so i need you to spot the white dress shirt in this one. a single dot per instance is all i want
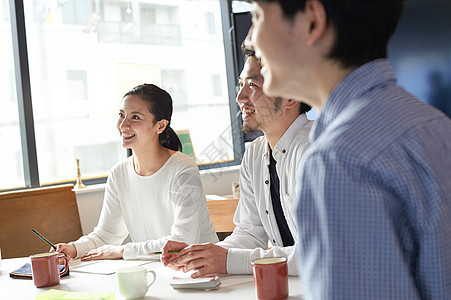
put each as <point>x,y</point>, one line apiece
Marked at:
<point>254,217</point>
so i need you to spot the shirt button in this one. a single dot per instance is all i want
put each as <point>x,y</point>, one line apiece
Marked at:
<point>266,181</point>
<point>284,151</point>
<point>267,212</point>
<point>274,241</point>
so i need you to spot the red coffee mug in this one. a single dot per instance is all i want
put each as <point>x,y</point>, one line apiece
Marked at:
<point>271,278</point>
<point>45,268</point>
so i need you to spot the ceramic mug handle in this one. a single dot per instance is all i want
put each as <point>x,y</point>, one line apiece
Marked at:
<point>154,277</point>
<point>66,263</point>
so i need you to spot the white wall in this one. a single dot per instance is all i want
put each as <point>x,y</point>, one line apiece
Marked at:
<point>90,199</point>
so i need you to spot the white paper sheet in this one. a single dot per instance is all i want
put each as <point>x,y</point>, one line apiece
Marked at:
<point>105,267</point>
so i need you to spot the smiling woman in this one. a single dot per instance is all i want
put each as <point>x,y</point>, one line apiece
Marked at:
<point>146,103</point>
<point>155,194</point>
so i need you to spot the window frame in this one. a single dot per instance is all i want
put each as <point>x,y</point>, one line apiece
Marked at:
<point>25,103</point>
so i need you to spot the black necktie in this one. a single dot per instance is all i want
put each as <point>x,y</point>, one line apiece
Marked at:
<point>285,232</point>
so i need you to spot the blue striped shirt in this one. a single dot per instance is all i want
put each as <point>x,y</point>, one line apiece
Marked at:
<point>374,209</point>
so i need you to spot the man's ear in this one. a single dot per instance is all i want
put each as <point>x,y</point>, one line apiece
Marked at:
<point>248,40</point>
<point>291,103</point>
<point>162,125</point>
<point>317,21</point>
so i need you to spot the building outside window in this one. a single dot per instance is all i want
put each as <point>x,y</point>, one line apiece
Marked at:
<point>85,54</point>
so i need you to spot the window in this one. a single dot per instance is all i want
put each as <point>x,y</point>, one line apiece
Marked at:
<point>75,11</point>
<point>11,171</point>
<point>77,85</point>
<point>174,82</point>
<point>84,55</point>
<point>138,22</point>
<point>216,85</point>
<point>210,22</point>
<point>4,10</point>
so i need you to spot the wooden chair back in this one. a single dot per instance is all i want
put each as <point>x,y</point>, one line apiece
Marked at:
<point>52,211</point>
<point>221,214</point>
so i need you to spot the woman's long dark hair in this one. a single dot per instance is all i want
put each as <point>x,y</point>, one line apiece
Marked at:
<point>160,106</point>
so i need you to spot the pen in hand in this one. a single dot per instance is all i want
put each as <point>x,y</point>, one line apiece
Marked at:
<point>159,252</point>
<point>44,239</point>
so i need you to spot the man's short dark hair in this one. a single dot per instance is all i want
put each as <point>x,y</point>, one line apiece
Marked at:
<point>363,28</point>
<point>248,52</point>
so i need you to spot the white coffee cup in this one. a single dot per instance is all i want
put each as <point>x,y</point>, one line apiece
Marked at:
<point>133,282</point>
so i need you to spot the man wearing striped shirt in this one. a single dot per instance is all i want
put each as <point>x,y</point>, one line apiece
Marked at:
<point>374,199</point>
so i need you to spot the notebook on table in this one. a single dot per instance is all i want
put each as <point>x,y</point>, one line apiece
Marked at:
<point>25,272</point>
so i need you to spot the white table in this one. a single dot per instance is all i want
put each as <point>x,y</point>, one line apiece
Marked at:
<point>84,282</point>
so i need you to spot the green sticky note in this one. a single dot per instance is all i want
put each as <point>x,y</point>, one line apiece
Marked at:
<point>187,145</point>
<point>57,295</point>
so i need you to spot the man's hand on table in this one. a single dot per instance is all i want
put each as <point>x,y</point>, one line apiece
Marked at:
<point>205,259</point>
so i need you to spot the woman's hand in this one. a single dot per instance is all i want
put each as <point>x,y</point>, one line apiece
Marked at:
<point>68,249</point>
<point>104,252</point>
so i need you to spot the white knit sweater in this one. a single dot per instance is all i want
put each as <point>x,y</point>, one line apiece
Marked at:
<point>167,205</point>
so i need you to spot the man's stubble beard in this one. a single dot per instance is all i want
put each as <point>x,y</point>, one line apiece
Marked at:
<point>246,128</point>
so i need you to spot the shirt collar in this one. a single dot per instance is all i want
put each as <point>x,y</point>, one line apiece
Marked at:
<point>358,82</point>
<point>287,138</point>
